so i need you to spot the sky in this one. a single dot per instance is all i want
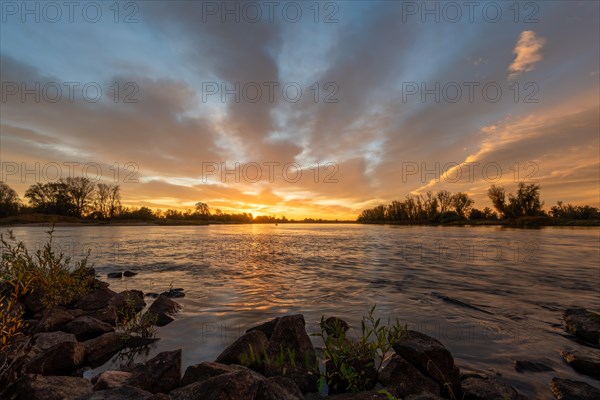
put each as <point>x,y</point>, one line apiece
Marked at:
<point>302,109</point>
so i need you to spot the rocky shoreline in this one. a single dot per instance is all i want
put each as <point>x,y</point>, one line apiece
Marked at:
<point>273,360</point>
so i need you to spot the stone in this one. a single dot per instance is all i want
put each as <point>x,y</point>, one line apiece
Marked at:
<point>237,385</point>
<point>163,309</point>
<point>152,294</point>
<point>107,314</point>
<point>86,327</point>
<point>45,340</point>
<point>60,359</point>
<point>110,380</point>
<point>588,363</point>
<point>289,339</point>
<point>367,395</point>
<point>431,358</point>
<point>247,350</point>
<point>160,374</point>
<point>332,324</point>
<point>279,388</point>
<point>131,301</point>
<point>54,320</point>
<point>129,273</point>
<point>174,293</point>
<point>39,387</point>
<point>121,393</point>
<point>101,349</point>
<point>489,389</point>
<point>267,327</point>
<point>566,389</point>
<point>205,370</point>
<point>33,303</point>
<point>531,366</point>
<point>583,324</point>
<point>95,299</point>
<point>405,379</point>
<point>114,275</point>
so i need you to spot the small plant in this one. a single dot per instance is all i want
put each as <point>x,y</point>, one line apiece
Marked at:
<point>352,365</point>
<point>131,323</point>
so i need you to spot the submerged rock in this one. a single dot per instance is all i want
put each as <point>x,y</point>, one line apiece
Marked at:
<point>174,293</point>
<point>163,309</point>
<point>566,389</point>
<point>583,324</point>
<point>531,366</point>
<point>129,273</point>
<point>114,275</point>
<point>588,363</point>
<point>489,389</point>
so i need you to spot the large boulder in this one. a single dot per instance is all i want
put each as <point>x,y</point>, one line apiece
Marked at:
<point>60,359</point>
<point>99,350</point>
<point>431,358</point>
<point>205,370</point>
<point>588,363</point>
<point>290,353</point>
<point>247,350</point>
<point>279,388</point>
<point>86,327</point>
<point>130,301</point>
<point>404,379</point>
<point>161,374</point>
<point>54,320</point>
<point>566,389</point>
<point>584,324</point>
<point>163,309</point>
<point>237,385</point>
<point>267,327</point>
<point>45,340</point>
<point>121,393</point>
<point>39,387</point>
<point>110,380</point>
<point>95,299</point>
<point>489,389</point>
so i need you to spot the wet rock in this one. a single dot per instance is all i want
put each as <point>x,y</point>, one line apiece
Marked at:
<point>203,371</point>
<point>588,363</point>
<point>54,320</point>
<point>161,374</point>
<point>423,396</point>
<point>531,366</point>
<point>60,359</point>
<point>405,379</point>
<point>583,324</point>
<point>267,328</point>
<point>102,348</point>
<point>129,273</point>
<point>33,303</point>
<point>247,350</point>
<point>289,340</point>
<point>129,301</point>
<point>368,395</point>
<point>333,324</point>
<point>431,358</point>
<point>121,393</point>
<point>39,387</point>
<point>174,293</point>
<point>45,340</point>
<point>86,327</point>
<point>237,385</point>
<point>279,388</point>
<point>95,299</point>
<point>163,309</point>
<point>107,314</point>
<point>566,389</point>
<point>152,294</point>
<point>489,389</point>
<point>114,275</point>
<point>110,380</point>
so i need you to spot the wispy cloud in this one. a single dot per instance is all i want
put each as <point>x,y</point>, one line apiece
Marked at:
<point>528,51</point>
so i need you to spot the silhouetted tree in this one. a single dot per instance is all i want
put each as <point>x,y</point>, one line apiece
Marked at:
<point>445,199</point>
<point>461,203</point>
<point>9,201</point>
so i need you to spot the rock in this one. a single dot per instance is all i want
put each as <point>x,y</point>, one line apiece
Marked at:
<point>152,294</point>
<point>129,273</point>
<point>566,389</point>
<point>588,363</point>
<point>160,396</point>
<point>431,358</point>
<point>279,388</point>
<point>107,314</point>
<point>332,324</point>
<point>237,385</point>
<point>289,340</point>
<point>267,328</point>
<point>33,303</point>
<point>247,350</point>
<point>54,320</point>
<point>60,359</point>
<point>102,348</point>
<point>39,387</point>
<point>86,327</point>
<point>174,293</point>
<point>583,324</point>
<point>45,340</point>
<point>489,389</point>
<point>131,301</point>
<point>95,299</point>
<point>368,395</point>
<point>203,371</point>
<point>114,275</point>
<point>110,380</point>
<point>160,374</point>
<point>405,379</point>
<point>163,308</point>
<point>531,366</point>
<point>423,396</point>
<point>121,393</point>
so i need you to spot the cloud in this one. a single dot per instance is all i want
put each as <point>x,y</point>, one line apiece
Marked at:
<point>528,51</point>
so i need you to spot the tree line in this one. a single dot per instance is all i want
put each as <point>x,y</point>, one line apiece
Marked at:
<point>444,207</point>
